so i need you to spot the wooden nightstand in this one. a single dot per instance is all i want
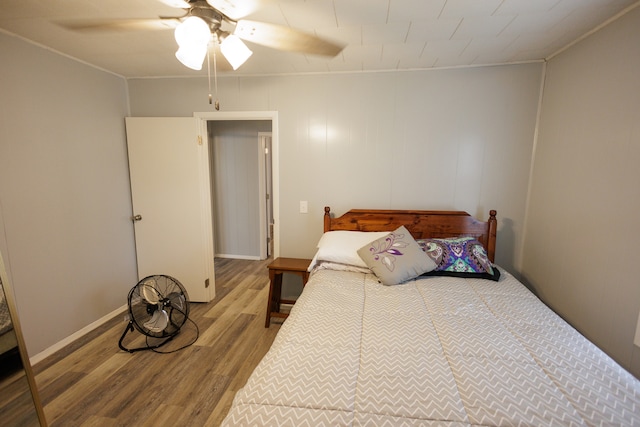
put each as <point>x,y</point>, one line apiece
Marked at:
<point>276,269</point>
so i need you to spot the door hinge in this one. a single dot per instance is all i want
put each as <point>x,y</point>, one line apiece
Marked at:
<point>199,139</point>
<point>206,283</point>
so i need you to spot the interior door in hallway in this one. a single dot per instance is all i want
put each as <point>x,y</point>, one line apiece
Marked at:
<point>170,188</point>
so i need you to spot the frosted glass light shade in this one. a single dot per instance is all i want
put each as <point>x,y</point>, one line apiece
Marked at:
<point>235,51</point>
<point>192,30</point>
<point>192,36</point>
<point>192,56</point>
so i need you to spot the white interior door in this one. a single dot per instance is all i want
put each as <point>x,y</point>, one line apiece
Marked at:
<point>170,187</point>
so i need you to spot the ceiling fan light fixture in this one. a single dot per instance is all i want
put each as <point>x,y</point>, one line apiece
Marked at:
<point>192,56</point>
<point>192,31</point>
<point>235,51</point>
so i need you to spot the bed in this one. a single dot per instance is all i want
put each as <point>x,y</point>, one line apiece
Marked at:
<point>440,348</point>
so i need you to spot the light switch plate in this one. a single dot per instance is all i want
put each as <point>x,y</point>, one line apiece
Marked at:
<point>304,207</point>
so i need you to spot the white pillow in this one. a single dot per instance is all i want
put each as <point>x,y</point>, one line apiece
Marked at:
<point>342,246</point>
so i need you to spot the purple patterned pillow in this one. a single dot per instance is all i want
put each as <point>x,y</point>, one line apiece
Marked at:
<point>460,257</point>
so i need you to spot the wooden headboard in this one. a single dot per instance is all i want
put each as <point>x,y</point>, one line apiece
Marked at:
<point>421,224</point>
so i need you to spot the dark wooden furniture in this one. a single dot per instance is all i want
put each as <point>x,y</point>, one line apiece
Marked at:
<point>421,224</point>
<point>277,268</point>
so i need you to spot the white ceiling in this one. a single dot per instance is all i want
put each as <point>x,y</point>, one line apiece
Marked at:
<point>378,34</point>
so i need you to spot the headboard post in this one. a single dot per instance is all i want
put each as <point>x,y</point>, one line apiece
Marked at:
<point>327,218</point>
<point>491,241</point>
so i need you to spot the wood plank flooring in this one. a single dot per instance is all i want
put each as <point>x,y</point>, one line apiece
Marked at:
<point>93,383</point>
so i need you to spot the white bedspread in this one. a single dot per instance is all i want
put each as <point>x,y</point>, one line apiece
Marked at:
<point>436,351</point>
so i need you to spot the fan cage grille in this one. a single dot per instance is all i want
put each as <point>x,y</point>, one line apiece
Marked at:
<point>158,292</point>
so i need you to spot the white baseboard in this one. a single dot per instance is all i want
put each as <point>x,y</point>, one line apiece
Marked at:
<point>249,257</point>
<point>71,338</point>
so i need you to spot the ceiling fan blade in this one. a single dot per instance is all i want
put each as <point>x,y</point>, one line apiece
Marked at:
<point>180,4</point>
<point>120,24</point>
<point>237,9</point>
<point>285,38</point>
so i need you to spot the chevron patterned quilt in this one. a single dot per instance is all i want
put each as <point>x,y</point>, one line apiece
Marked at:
<point>431,352</point>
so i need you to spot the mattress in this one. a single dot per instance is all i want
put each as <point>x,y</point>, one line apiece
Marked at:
<point>7,337</point>
<point>434,351</point>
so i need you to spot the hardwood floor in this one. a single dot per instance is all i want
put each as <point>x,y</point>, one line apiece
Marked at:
<point>93,383</point>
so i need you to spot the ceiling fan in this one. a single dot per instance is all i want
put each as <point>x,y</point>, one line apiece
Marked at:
<point>220,21</point>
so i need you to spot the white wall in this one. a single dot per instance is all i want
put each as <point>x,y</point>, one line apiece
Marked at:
<point>64,191</point>
<point>581,248</point>
<point>442,139</point>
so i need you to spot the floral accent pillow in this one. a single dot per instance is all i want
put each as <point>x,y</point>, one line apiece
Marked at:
<point>396,257</point>
<point>459,257</point>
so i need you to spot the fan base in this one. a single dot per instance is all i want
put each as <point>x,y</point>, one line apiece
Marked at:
<point>130,328</point>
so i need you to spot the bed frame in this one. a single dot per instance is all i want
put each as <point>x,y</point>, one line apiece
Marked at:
<point>421,224</point>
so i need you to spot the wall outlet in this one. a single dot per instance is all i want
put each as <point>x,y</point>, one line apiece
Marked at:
<point>304,207</point>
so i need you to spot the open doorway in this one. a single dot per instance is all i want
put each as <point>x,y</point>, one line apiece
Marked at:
<point>238,169</point>
<point>242,200</point>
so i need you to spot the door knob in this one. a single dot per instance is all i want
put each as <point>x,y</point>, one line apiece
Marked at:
<point>137,218</point>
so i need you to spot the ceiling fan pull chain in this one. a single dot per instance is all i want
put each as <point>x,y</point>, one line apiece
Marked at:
<point>215,77</point>
<point>209,74</point>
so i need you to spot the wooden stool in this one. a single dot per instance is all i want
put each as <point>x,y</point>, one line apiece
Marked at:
<point>276,269</point>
